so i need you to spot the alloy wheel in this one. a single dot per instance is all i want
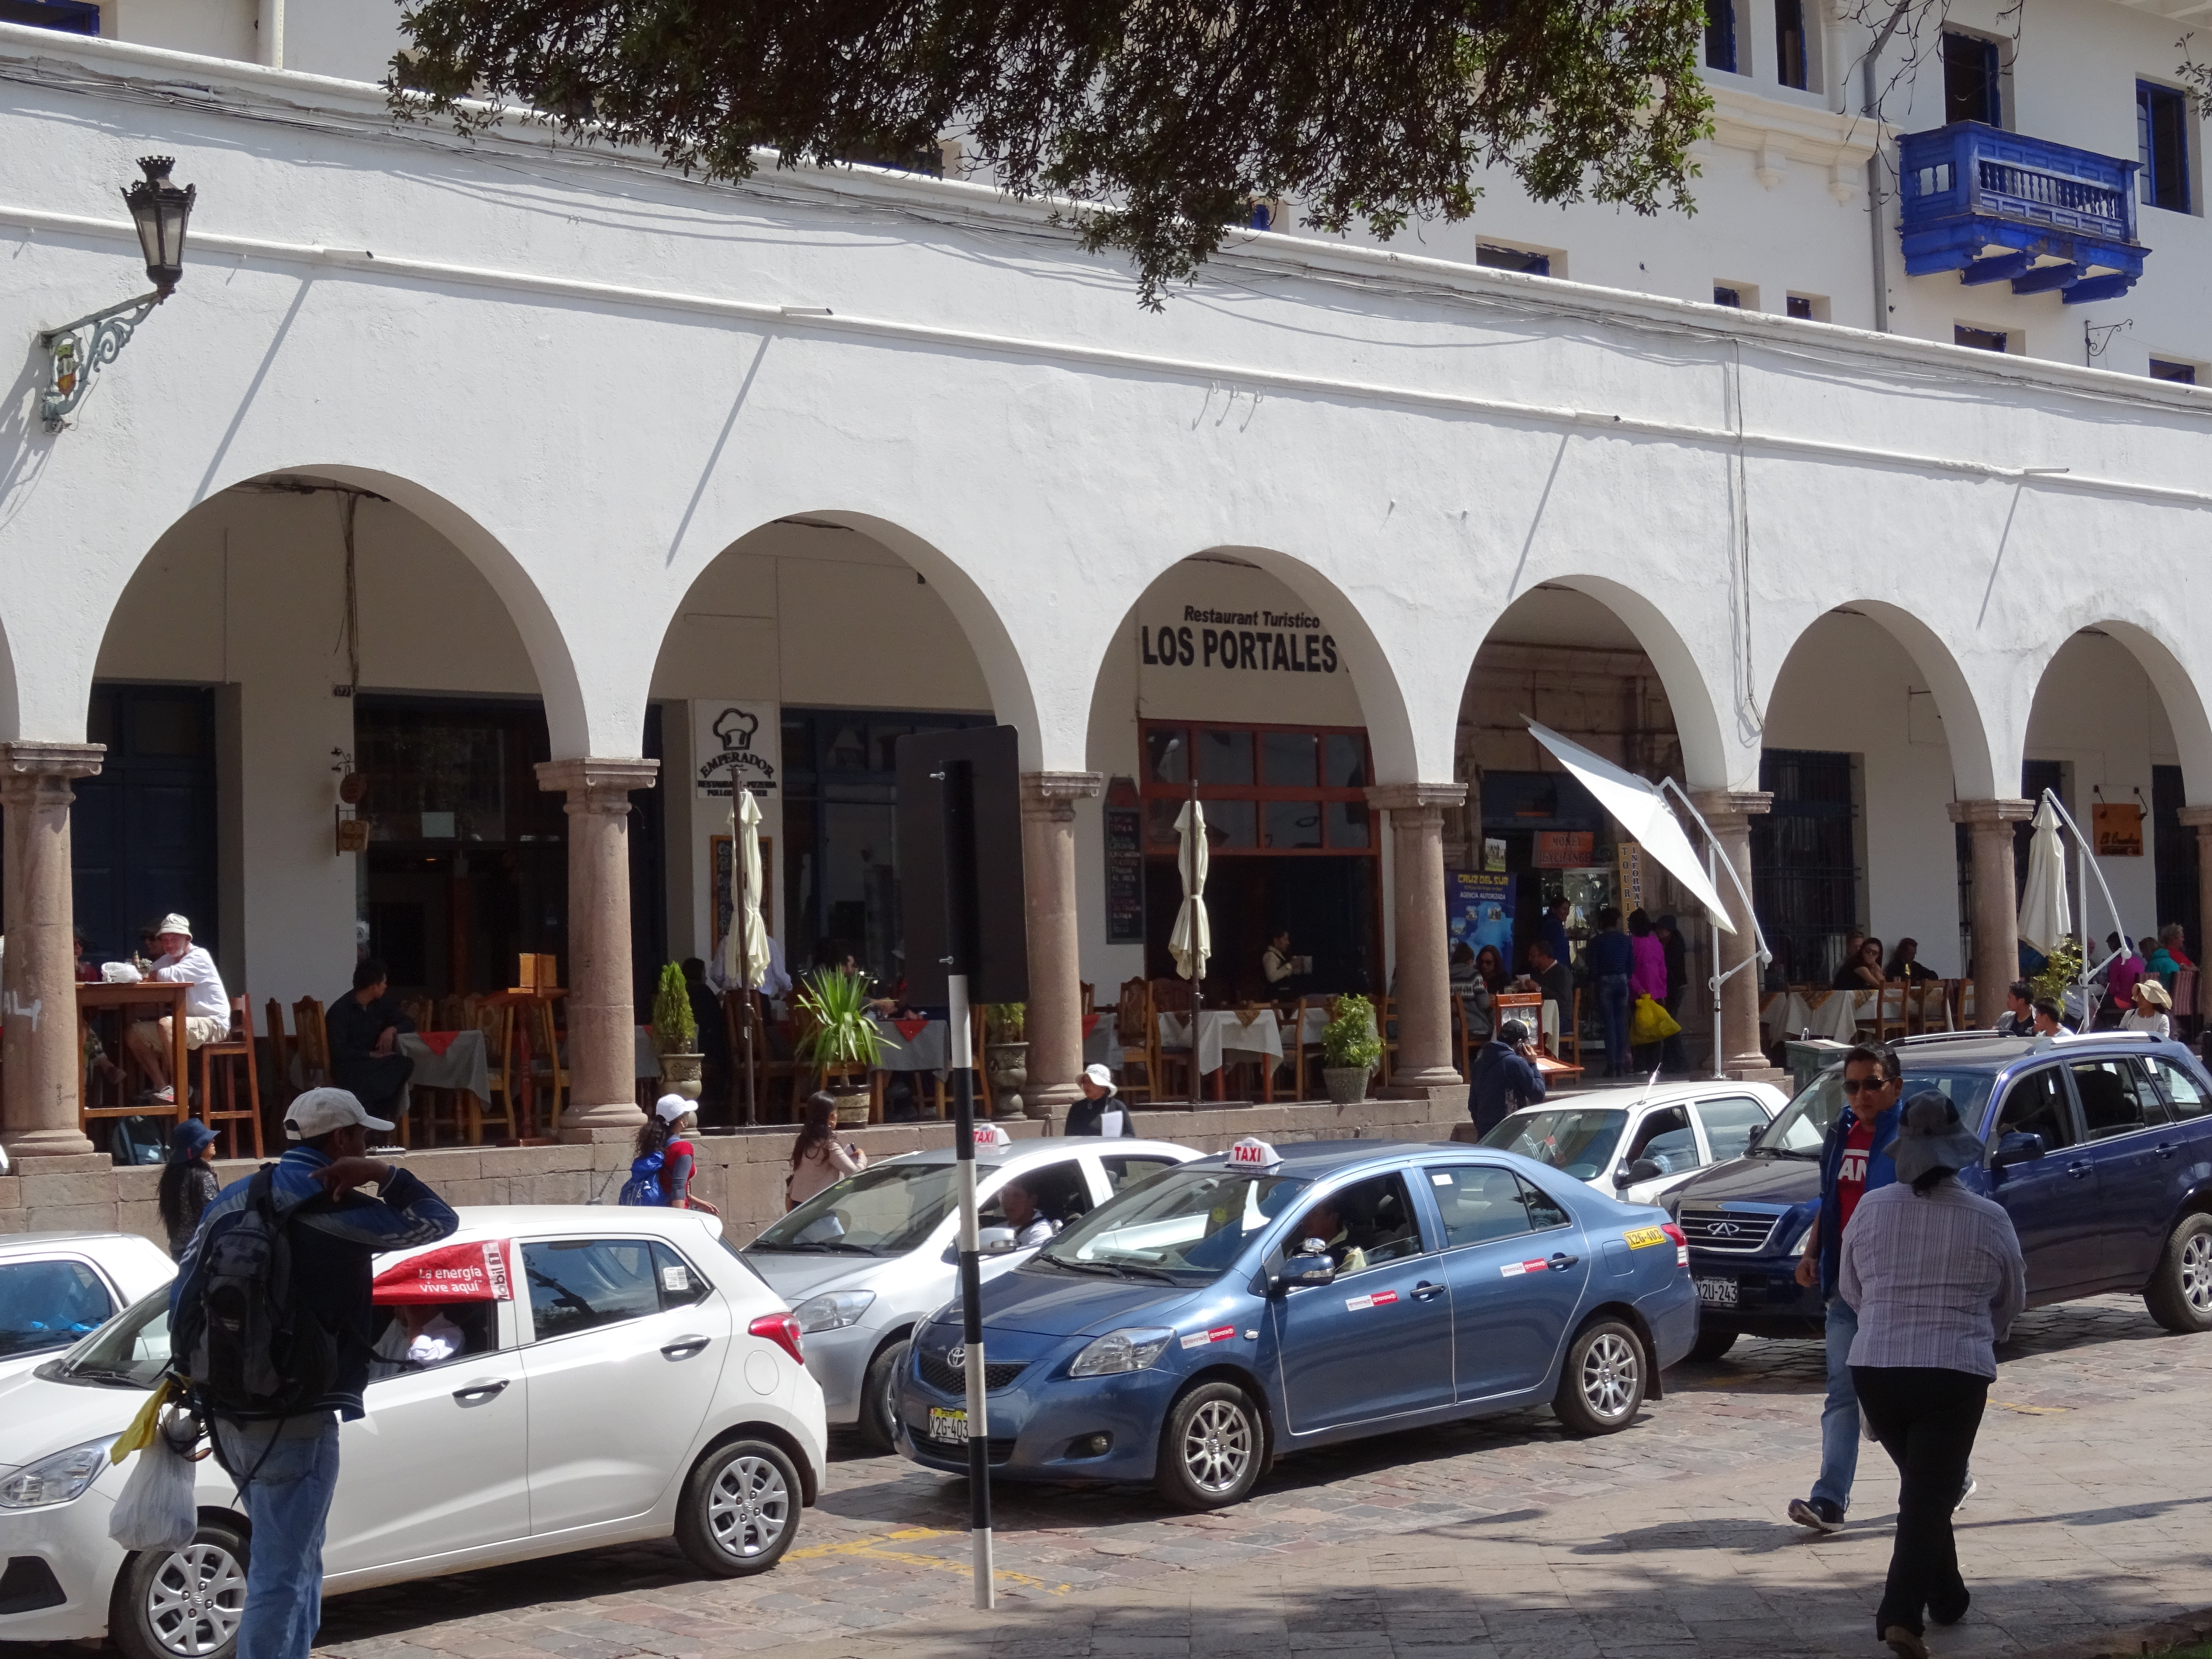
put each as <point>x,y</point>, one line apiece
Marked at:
<point>1609,1374</point>
<point>1217,1446</point>
<point>749,1507</point>
<point>195,1601</point>
<point>2197,1273</point>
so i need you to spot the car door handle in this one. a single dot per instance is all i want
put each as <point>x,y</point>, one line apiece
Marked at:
<point>1561,1261</point>
<point>2078,1168</point>
<point>477,1393</point>
<point>684,1347</point>
<point>2165,1149</point>
<point>1427,1291</point>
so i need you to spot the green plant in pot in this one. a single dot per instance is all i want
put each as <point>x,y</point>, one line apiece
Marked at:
<point>841,1035</point>
<point>1351,1048</point>
<point>676,1034</point>
<point>2060,970</point>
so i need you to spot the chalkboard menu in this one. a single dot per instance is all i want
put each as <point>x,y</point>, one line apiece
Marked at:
<point>1125,864</point>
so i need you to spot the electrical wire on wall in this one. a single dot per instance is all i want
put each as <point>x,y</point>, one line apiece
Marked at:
<point>349,624</point>
<point>1751,724</point>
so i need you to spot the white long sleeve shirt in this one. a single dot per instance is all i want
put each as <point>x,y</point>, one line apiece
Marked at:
<point>195,968</point>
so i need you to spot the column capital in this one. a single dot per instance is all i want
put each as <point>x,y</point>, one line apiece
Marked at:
<point>1990,814</point>
<point>1052,794</point>
<point>29,770</point>
<point>1413,796</point>
<point>2198,818</point>
<point>598,784</point>
<point>1731,806</point>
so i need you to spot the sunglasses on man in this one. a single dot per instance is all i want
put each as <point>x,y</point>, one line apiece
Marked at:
<point>1865,1086</point>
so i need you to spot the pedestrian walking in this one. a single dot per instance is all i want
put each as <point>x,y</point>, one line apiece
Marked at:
<point>310,1322</point>
<point>1854,1160</point>
<point>188,1184</point>
<point>1612,959</point>
<point>665,1135</point>
<point>1504,1078</point>
<point>1935,1274</point>
<point>817,1161</point>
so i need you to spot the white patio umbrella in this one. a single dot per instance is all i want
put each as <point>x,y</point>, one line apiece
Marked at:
<point>744,946</point>
<point>1192,942</point>
<point>2046,916</point>
<point>1643,812</point>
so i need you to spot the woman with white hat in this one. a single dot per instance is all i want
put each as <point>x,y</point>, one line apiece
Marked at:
<point>2153,1010</point>
<point>673,1118</point>
<point>1101,1111</point>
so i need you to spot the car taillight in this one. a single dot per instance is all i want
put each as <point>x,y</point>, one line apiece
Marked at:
<point>1681,1241</point>
<point>783,1329</point>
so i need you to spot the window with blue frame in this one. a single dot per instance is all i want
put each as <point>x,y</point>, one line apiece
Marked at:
<point>69,16</point>
<point>2162,143</point>
<point>1791,62</point>
<point>1720,36</point>
<point>1970,73</point>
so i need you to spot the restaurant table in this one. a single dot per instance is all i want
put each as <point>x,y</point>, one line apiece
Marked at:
<point>1250,1035</point>
<point>448,1060</point>
<point>156,998</point>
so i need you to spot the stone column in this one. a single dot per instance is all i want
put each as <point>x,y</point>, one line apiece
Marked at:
<point>2199,819</point>
<point>1729,811</point>
<point>602,1015</point>
<point>41,1060</point>
<point>1054,1023</point>
<point>1997,919</point>
<point>1423,1002</point>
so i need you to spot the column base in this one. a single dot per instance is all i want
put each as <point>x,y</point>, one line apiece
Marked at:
<point>1756,1070</point>
<point>51,1144</point>
<point>1446,1091</point>
<point>83,1158</point>
<point>1051,1100</point>
<point>616,1120</point>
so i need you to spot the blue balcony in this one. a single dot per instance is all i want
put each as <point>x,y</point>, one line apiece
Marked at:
<point>1997,207</point>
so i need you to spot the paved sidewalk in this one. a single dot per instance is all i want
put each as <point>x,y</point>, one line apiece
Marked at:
<point>1501,1540</point>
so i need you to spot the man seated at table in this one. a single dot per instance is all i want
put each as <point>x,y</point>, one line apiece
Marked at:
<point>365,1027</point>
<point>207,1006</point>
<point>1554,979</point>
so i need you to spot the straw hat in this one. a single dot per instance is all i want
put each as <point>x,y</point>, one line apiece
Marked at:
<point>2154,992</point>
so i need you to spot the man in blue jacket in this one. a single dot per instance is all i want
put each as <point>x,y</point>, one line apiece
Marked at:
<point>1854,1160</point>
<point>1504,1078</point>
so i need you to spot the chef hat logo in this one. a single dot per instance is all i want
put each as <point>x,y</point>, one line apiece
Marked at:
<point>735,727</point>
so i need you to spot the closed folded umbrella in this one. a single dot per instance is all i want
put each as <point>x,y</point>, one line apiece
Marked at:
<point>1192,942</point>
<point>2046,916</point>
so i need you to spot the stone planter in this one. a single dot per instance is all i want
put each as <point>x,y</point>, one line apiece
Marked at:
<point>852,1107</point>
<point>1346,1085</point>
<point>682,1074</point>
<point>1007,1066</point>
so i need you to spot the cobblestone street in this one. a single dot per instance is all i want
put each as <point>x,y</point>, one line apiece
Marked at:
<point>1485,1542</point>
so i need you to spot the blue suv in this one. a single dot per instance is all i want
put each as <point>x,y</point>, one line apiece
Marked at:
<point>2099,1147</point>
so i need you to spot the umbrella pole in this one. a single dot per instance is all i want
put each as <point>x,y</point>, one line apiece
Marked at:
<point>1198,979</point>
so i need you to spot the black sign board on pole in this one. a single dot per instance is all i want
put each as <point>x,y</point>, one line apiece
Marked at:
<point>988,759</point>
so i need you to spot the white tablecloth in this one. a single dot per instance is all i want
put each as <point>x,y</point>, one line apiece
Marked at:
<point>462,1065</point>
<point>1221,1029</point>
<point>1839,1014</point>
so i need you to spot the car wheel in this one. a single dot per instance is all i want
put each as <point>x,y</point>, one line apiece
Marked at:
<point>879,1397</point>
<point>1601,1384</point>
<point>739,1510</point>
<point>1712,1345</point>
<point>1212,1448</point>
<point>183,1604</point>
<point>2179,1294</point>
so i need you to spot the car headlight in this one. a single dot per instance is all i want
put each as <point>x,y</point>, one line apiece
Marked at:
<point>1131,1349</point>
<point>832,1310</point>
<point>56,1480</point>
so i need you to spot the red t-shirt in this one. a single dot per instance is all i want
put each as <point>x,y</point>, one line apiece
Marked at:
<point>676,1180</point>
<point>1850,1179</point>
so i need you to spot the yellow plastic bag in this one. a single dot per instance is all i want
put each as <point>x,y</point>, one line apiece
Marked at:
<point>1650,1023</point>
<point>145,1426</point>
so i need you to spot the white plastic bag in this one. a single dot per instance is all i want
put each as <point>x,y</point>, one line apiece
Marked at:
<point>156,1511</point>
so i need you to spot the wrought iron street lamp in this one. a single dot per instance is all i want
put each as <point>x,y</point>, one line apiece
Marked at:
<point>162,211</point>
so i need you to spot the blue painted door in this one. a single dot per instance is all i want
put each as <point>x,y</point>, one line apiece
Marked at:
<point>1518,1267</point>
<point>1376,1343</point>
<point>2052,1199</point>
<point>142,832</point>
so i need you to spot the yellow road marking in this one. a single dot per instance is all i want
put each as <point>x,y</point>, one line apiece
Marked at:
<point>871,1547</point>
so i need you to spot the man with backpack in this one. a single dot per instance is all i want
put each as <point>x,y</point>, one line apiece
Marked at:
<point>269,1323</point>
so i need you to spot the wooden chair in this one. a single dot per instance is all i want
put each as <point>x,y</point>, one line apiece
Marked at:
<point>1090,998</point>
<point>1386,1027</point>
<point>1965,1006</point>
<point>421,1011</point>
<point>228,1060</point>
<point>1570,1029</point>
<point>1465,1045</point>
<point>314,1042</point>
<point>1162,1061</point>
<point>1891,1010</point>
<point>549,1071</point>
<point>740,1008</point>
<point>91,1106</point>
<point>1134,1038</point>
<point>1310,1056</point>
<point>497,1022</point>
<point>280,1057</point>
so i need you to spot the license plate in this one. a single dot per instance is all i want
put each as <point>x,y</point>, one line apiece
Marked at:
<point>1717,1292</point>
<point>949,1423</point>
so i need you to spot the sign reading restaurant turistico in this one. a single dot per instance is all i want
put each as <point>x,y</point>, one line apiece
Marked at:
<point>1265,641</point>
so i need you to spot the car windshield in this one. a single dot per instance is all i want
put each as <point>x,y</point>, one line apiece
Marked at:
<point>1576,1143</point>
<point>1805,1122</point>
<point>1184,1227</point>
<point>48,1304</point>
<point>884,1211</point>
<point>129,1351</point>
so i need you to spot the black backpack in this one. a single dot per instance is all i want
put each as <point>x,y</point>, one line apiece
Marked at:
<point>242,1333</point>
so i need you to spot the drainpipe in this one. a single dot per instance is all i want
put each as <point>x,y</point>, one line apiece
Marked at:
<point>1874,164</point>
<point>272,32</point>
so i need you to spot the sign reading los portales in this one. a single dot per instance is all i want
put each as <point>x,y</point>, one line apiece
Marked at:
<point>1220,641</point>
<point>1259,640</point>
<point>737,739</point>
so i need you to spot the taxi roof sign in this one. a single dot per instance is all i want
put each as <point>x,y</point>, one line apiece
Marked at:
<point>1252,1153</point>
<point>991,1135</point>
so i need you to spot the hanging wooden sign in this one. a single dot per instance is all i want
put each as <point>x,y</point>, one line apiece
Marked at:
<point>2117,829</point>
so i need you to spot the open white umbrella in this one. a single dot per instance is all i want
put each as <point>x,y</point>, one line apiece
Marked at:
<point>1192,942</point>
<point>1643,812</point>
<point>2046,916</point>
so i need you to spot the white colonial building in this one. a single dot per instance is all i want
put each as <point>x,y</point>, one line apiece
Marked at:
<point>540,487</point>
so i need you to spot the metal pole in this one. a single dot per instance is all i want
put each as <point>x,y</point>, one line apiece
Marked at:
<point>737,855</point>
<point>1713,937</point>
<point>1874,169</point>
<point>1198,979</point>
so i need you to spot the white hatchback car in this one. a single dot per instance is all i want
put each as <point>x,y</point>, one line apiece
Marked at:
<point>866,1261</point>
<point>1634,1144</point>
<point>57,1288</point>
<point>648,1384</point>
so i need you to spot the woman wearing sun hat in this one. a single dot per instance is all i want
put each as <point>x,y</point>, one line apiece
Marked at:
<point>2152,1011</point>
<point>1935,1274</point>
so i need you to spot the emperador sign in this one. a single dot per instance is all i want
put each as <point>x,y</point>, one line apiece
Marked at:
<point>734,740</point>
<point>1229,643</point>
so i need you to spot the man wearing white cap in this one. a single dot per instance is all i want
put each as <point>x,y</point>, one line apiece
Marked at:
<point>207,1005</point>
<point>1101,1111</point>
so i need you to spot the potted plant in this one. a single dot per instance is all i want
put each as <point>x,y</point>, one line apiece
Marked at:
<point>1005,1056</point>
<point>676,1035</point>
<point>1350,1050</point>
<point>840,1036</point>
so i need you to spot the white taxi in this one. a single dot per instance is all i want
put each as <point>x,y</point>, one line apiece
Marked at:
<point>592,1376</point>
<point>1634,1144</point>
<point>57,1288</point>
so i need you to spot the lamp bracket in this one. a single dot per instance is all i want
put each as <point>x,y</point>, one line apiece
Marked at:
<point>84,347</point>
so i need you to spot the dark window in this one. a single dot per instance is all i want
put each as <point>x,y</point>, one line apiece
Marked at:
<point>1804,864</point>
<point>2109,1104</point>
<point>1374,1217</point>
<point>2173,851</point>
<point>681,1284</point>
<point>1981,339</point>
<point>1479,1204</point>
<point>2180,373</point>
<point>2162,141</point>
<point>2184,1095</point>
<point>1970,79</point>
<point>1544,1210</point>
<point>1801,307</point>
<point>69,16</point>
<point>1728,296</point>
<point>1789,65</point>
<point>1730,1124</point>
<point>576,1284</point>
<point>1512,258</point>
<point>1122,1171</point>
<point>2036,1105</point>
<point>1720,36</point>
<point>49,1304</point>
<point>1665,1137</point>
<point>143,833</point>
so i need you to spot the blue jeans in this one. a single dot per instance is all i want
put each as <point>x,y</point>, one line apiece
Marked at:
<point>1612,1008</point>
<point>1839,1414</point>
<point>287,1484</point>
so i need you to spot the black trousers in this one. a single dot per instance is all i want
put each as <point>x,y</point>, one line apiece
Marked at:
<point>1926,1420</point>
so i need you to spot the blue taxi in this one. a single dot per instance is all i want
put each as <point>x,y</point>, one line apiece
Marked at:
<point>1257,1302</point>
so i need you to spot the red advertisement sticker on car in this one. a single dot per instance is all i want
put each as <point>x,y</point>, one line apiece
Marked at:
<point>1221,1334</point>
<point>1515,1269</point>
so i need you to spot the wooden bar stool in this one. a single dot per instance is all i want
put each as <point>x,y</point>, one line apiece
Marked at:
<point>228,1060</point>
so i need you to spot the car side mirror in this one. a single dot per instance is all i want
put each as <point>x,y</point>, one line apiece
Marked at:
<point>1303,1273</point>
<point>2020,1146</point>
<point>995,1240</point>
<point>1643,1170</point>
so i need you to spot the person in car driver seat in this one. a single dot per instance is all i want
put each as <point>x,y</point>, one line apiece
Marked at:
<point>1030,1225</point>
<point>1324,1224</point>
